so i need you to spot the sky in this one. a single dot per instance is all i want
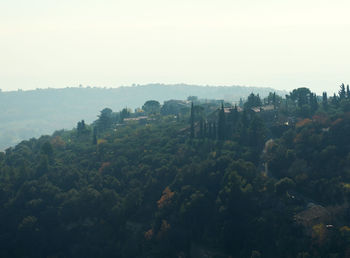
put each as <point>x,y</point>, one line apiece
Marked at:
<point>271,43</point>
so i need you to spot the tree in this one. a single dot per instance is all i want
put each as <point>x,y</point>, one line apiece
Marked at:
<point>215,134</point>
<point>151,107</point>
<point>210,130</point>
<point>192,98</point>
<point>324,101</point>
<point>201,128</point>
<point>241,104</point>
<point>313,102</point>
<point>47,149</point>
<point>198,113</point>
<point>256,133</point>
<point>253,101</point>
<point>222,123</point>
<point>274,102</point>
<point>43,165</point>
<point>335,100</point>
<point>104,121</point>
<point>174,107</point>
<point>232,120</point>
<point>94,136</point>
<point>286,106</point>
<point>81,127</point>
<point>192,122</point>
<point>300,96</point>
<point>342,93</point>
<point>125,113</point>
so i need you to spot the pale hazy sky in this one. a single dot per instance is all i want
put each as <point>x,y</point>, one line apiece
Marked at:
<point>281,44</point>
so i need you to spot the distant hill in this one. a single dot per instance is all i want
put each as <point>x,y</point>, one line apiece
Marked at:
<point>27,114</point>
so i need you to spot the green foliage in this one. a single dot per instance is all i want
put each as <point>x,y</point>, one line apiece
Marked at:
<point>209,182</point>
<point>253,101</point>
<point>151,107</point>
<point>42,111</point>
<point>104,121</point>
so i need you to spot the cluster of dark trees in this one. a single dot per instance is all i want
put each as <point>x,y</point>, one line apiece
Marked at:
<point>228,182</point>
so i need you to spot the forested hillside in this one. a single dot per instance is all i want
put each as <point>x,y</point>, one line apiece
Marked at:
<point>200,178</point>
<point>27,114</point>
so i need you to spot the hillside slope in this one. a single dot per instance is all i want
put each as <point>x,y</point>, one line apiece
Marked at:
<point>228,184</point>
<point>27,114</point>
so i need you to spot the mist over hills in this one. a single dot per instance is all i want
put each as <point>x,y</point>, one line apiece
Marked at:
<point>27,114</point>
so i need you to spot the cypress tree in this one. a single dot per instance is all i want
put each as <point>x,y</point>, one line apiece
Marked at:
<point>79,128</point>
<point>324,100</point>
<point>241,104</point>
<point>233,121</point>
<point>192,122</point>
<point>313,102</point>
<point>205,129</point>
<point>335,100</point>
<point>94,136</point>
<point>221,123</point>
<point>342,93</point>
<point>214,130</point>
<point>286,103</point>
<point>210,130</point>
<point>201,129</point>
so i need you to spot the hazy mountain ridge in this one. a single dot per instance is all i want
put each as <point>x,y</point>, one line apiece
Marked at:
<point>32,113</point>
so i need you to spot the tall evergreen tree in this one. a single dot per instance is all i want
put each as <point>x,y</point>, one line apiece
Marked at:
<point>286,103</point>
<point>94,136</point>
<point>222,123</point>
<point>104,121</point>
<point>234,116</point>
<point>241,103</point>
<point>81,127</point>
<point>125,113</point>
<point>201,128</point>
<point>210,130</point>
<point>192,122</point>
<point>335,100</point>
<point>347,91</point>
<point>313,102</point>
<point>324,100</point>
<point>253,101</point>
<point>244,124</point>
<point>214,131</point>
<point>342,93</point>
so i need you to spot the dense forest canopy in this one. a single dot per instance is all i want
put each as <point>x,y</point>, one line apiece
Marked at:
<point>268,177</point>
<point>33,113</point>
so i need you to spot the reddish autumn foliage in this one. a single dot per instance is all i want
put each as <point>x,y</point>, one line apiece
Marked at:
<point>321,120</point>
<point>303,122</point>
<point>58,143</point>
<point>166,198</point>
<point>104,166</point>
<point>164,228</point>
<point>149,234</point>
